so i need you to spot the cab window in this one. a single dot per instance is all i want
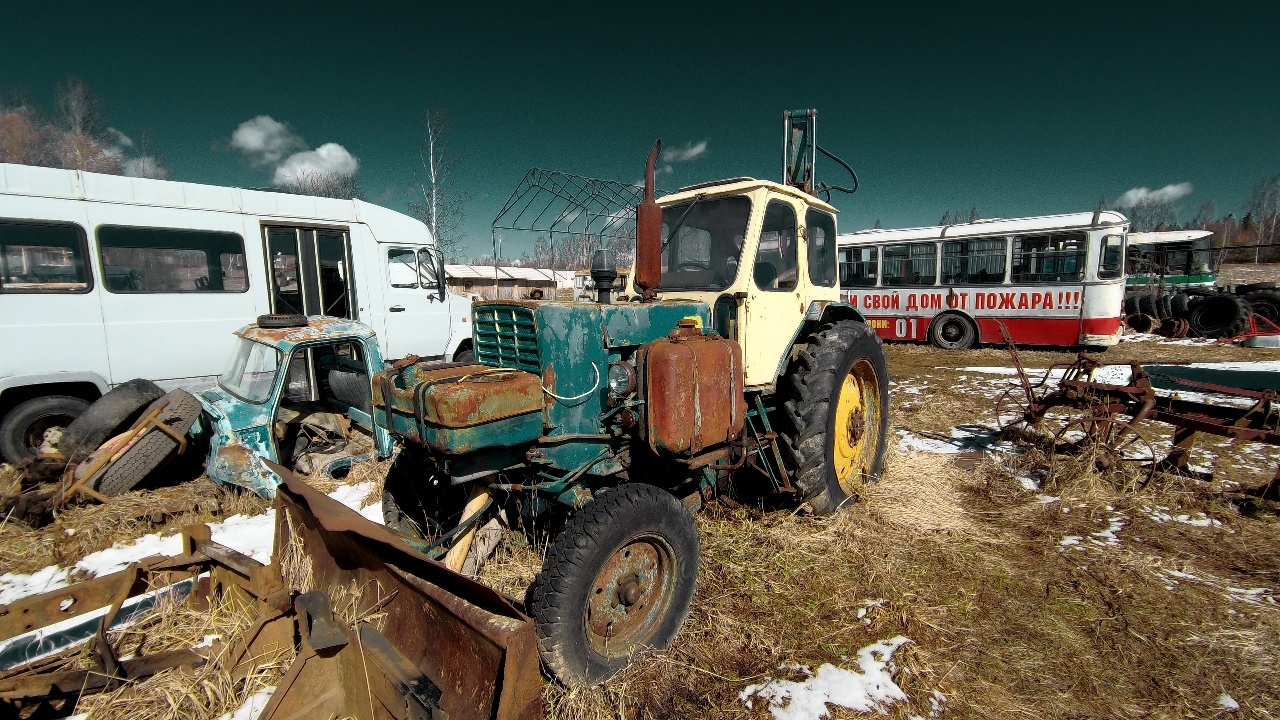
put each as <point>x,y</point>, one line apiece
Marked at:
<point>821,245</point>
<point>775,267</point>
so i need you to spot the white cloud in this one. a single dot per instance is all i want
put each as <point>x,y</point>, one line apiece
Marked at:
<point>119,139</point>
<point>691,151</point>
<point>266,141</point>
<point>328,158</point>
<point>1168,193</point>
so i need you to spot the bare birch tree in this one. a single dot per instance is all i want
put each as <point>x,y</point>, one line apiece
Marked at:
<point>1264,206</point>
<point>441,204</point>
<point>330,184</point>
<point>80,115</point>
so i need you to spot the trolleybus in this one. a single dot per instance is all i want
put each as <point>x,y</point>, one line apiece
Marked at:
<point>1052,280</point>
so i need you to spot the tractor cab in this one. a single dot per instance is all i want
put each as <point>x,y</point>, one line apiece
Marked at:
<point>760,254</point>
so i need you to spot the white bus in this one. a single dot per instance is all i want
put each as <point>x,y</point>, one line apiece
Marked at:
<point>1052,280</point>
<point>105,278</point>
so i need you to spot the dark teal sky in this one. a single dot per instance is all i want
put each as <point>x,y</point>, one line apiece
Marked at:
<point>1024,108</point>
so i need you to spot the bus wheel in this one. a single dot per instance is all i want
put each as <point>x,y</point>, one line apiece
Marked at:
<point>950,331</point>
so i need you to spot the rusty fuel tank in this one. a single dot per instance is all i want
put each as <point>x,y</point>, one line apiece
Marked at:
<point>692,386</point>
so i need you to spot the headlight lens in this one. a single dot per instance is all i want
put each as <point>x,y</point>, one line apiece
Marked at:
<point>622,379</point>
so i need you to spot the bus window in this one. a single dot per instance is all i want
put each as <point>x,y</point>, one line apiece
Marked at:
<point>1111,259</point>
<point>775,267</point>
<point>973,262</point>
<point>914,264</point>
<point>149,260</point>
<point>39,258</point>
<point>822,248</point>
<point>858,267</point>
<point>1048,258</point>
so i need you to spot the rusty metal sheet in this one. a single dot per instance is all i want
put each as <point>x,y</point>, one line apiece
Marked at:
<point>469,640</point>
<point>317,328</point>
<point>693,390</point>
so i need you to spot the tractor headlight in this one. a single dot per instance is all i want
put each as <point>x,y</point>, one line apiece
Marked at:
<point>622,379</point>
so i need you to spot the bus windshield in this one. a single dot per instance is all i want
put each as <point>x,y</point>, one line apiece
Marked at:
<point>706,250</point>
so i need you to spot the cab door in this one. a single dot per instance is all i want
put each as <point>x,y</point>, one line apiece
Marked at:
<point>310,271</point>
<point>416,319</point>
<point>775,303</point>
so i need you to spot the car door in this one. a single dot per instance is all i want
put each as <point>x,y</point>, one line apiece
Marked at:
<point>774,304</point>
<point>310,271</point>
<point>416,320</point>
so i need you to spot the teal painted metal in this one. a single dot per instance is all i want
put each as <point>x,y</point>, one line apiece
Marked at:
<point>240,430</point>
<point>635,324</point>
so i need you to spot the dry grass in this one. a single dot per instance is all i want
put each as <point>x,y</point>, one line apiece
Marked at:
<point>83,529</point>
<point>205,692</point>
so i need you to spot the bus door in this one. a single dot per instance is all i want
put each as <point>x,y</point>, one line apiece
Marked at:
<point>774,302</point>
<point>309,271</point>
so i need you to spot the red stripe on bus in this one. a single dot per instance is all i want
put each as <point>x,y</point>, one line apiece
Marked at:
<point>1025,331</point>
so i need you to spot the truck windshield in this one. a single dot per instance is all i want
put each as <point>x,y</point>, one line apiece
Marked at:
<point>252,371</point>
<point>706,250</point>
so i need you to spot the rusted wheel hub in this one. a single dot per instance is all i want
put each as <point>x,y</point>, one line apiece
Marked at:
<point>630,596</point>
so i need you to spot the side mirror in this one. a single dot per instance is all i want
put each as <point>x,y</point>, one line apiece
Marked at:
<point>648,272</point>
<point>441,277</point>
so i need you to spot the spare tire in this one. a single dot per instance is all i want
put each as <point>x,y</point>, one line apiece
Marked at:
<point>282,321</point>
<point>1147,306</point>
<point>1251,287</point>
<point>1131,305</point>
<point>1219,316</point>
<point>108,416</point>
<point>1265,302</point>
<point>1180,306</point>
<point>179,410</point>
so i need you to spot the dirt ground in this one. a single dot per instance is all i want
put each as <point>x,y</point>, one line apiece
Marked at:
<point>1249,273</point>
<point>1018,589</point>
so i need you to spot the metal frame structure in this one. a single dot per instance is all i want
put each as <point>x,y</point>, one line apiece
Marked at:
<point>557,203</point>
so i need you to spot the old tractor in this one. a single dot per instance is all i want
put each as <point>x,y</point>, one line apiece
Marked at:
<point>603,423</point>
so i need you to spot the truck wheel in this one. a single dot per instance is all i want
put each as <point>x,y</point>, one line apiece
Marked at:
<point>154,447</point>
<point>107,417</point>
<point>24,427</point>
<point>1220,315</point>
<point>953,331</point>
<point>1266,303</point>
<point>1180,305</point>
<point>620,576</point>
<point>1131,305</point>
<point>465,355</point>
<point>836,403</point>
<point>1147,306</point>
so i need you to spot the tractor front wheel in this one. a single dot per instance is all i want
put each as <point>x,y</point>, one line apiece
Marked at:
<point>619,577</point>
<point>836,404</point>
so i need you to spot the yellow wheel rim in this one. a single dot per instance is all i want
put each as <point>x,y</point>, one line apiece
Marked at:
<point>856,426</point>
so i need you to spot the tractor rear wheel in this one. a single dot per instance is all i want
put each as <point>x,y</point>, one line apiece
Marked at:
<point>836,404</point>
<point>619,577</point>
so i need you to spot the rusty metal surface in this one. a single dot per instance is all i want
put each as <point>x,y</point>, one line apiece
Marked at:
<point>317,328</point>
<point>647,275</point>
<point>470,641</point>
<point>692,385</point>
<point>631,595</point>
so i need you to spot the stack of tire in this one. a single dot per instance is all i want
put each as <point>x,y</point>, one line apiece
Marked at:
<point>1220,312</point>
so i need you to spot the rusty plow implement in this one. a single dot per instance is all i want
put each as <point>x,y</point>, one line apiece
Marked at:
<point>376,629</point>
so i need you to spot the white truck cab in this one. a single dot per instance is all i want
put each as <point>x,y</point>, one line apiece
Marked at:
<point>106,278</point>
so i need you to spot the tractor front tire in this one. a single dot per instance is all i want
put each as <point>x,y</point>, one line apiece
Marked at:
<point>835,400</point>
<point>619,577</point>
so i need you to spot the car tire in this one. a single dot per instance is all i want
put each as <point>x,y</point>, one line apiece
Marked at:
<point>179,410</point>
<point>619,577</point>
<point>107,417</point>
<point>831,453</point>
<point>1265,302</point>
<point>24,426</point>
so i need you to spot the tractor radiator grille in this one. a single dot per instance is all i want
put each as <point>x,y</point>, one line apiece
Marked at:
<point>506,336</point>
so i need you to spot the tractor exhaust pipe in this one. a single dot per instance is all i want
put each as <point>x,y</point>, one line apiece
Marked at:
<point>648,272</point>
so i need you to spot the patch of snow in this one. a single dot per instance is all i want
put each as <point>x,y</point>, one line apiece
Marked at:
<point>1046,499</point>
<point>1107,538</point>
<point>1070,540</point>
<point>908,440</point>
<point>869,688</point>
<point>118,556</point>
<point>206,642</point>
<point>253,535</point>
<point>1227,702</point>
<point>252,707</point>
<point>1160,514</point>
<point>15,587</point>
<point>867,607</point>
<point>1029,480</point>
